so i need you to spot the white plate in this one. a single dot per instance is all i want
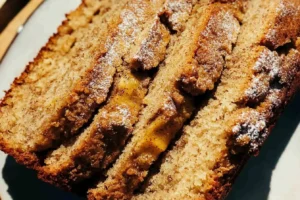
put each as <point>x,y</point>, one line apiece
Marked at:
<point>274,175</point>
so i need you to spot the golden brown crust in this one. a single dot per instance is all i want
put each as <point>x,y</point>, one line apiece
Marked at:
<point>28,159</point>
<point>224,185</point>
<point>273,112</point>
<point>78,106</point>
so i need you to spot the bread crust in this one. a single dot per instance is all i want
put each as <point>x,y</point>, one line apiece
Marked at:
<point>81,102</point>
<point>287,93</point>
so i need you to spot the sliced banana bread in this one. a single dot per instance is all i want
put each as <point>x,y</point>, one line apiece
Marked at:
<point>260,77</point>
<point>100,144</point>
<point>60,90</point>
<point>214,28</point>
<point>154,99</point>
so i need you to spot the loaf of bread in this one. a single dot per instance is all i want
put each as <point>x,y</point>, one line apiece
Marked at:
<point>164,99</point>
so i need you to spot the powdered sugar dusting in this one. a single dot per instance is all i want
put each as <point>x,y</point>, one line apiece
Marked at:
<point>224,28</point>
<point>153,46</point>
<point>268,62</point>
<point>118,45</point>
<point>178,12</point>
<point>124,114</point>
<point>214,44</point>
<point>274,97</point>
<point>250,129</point>
<point>258,88</point>
<point>128,29</point>
<point>228,25</point>
<point>287,16</point>
<point>286,8</point>
<point>266,69</point>
<point>119,116</point>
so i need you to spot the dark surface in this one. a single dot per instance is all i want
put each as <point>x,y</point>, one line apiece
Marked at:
<point>252,184</point>
<point>9,10</point>
<point>254,181</point>
<point>23,184</point>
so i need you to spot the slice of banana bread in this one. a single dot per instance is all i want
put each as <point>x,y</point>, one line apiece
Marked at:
<point>212,27</point>
<point>60,90</point>
<point>260,77</point>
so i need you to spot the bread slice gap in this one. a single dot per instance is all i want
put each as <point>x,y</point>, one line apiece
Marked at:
<point>99,145</point>
<point>60,90</point>
<point>256,84</point>
<point>168,105</point>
